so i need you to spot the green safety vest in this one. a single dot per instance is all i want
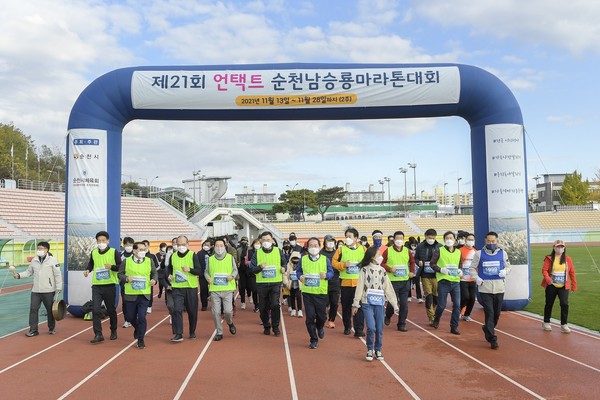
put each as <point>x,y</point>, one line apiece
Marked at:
<point>398,259</point>
<point>140,272</point>
<point>450,261</point>
<point>101,275</point>
<point>182,279</point>
<point>313,283</point>
<point>272,273</point>
<point>218,270</point>
<point>354,256</point>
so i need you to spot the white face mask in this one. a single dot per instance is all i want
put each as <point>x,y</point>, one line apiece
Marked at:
<point>163,249</point>
<point>378,259</point>
<point>220,250</point>
<point>141,254</point>
<point>461,241</point>
<point>128,249</point>
<point>256,246</point>
<point>292,243</point>
<point>313,251</point>
<point>430,241</point>
<point>414,247</point>
<point>40,253</point>
<point>329,245</point>
<point>206,248</point>
<point>267,245</point>
<point>102,246</point>
<point>398,243</point>
<point>470,243</point>
<point>559,250</point>
<point>182,249</point>
<point>449,242</point>
<point>349,241</point>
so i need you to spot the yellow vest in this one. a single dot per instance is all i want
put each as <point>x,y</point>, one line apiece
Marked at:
<point>272,272</point>
<point>398,259</point>
<point>313,283</point>
<point>182,279</point>
<point>450,261</point>
<point>101,275</point>
<point>140,272</point>
<point>355,256</point>
<point>218,270</point>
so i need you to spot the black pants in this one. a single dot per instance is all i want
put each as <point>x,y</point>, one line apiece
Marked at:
<point>203,292</point>
<point>36,301</point>
<point>333,299</point>
<point>136,314</point>
<point>358,321</point>
<point>563,298</point>
<point>185,298</point>
<point>492,306</point>
<point>252,289</point>
<point>467,296</point>
<point>402,289</point>
<point>417,282</point>
<point>108,294</point>
<point>315,307</point>
<point>295,299</point>
<point>268,300</point>
<point>151,296</point>
<point>161,286</point>
<point>243,288</point>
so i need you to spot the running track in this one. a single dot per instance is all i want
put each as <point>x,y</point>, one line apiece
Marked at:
<point>422,363</point>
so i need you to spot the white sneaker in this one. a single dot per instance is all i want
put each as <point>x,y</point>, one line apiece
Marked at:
<point>293,313</point>
<point>420,301</point>
<point>378,355</point>
<point>170,320</point>
<point>126,324</point>
<point>565,328</point>
<point>369,356</point>
<point>467,319</point>
<point>409,299</point>
<point>243,306</point>
<point>149,310</point>
<point>300,315</point>
<point>547,326</point>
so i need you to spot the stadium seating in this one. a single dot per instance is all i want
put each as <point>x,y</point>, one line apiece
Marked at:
<point>563,220</point>
<point>441,225</point>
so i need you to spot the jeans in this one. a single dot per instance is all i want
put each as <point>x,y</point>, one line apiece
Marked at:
<point>36,301</point>
<point>374,321</point>
<point>563,298</point>
<point>444,288</point>
<point>492,306</point>
<point>402,289</point>
<point>136,315</point>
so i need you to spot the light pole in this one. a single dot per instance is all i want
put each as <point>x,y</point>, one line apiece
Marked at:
<point>458,194</point>
<point>414,167</point>
<point>389,192</point>
<point>151,184</point>
<point>404,171</point>
<point>195,174</point>
<point>444,198</point>
<point>422,191</point>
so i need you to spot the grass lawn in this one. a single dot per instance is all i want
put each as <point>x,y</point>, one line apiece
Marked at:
<point>584,304</point>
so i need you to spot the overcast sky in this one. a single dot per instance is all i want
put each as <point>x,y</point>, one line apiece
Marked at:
<point>546,51</point>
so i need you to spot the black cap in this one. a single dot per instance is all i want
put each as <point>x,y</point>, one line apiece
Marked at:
<point>292,237</point>
<point>329,237</point>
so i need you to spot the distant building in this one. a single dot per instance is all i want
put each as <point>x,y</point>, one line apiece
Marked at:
<point>255,198</point>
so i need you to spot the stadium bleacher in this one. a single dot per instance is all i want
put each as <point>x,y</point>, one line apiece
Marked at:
<point>568,220</point>
<point>441,225</point>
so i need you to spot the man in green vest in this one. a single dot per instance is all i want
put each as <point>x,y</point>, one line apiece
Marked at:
<point>268,264</point>
<point>314,270</point>
<point>183,271</point>
<point>400,266</point>
<point>446,262</point>
<point>104,266</point>
<point>137,275</point>
<point>220,273</point>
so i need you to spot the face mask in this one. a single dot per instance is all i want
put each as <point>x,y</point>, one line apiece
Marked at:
<point>40,253</point>
<point>470,243</point>
<point>491,247</point>
<point>378,259</point>
<point>220,251</point>
<point>377,242</point>
<point>128,249</point>
<point>292,243</point>
<point>206,248</point>
<point>102,246</point>
<point>449,242</point>
<point>141,254</point>
<point>163,249</point>
<point>430,241</point>
<point>329,245</point>
<point>461,241</point>
<point>349,241</point>
<point>313,251</point>
<point>398,243</point>
<point>256,246</point>
<point>413,247</point>
<point>182,249</point>
<point>170,251</point>
<point>559,250</point>
<point>267,245</point>
<point>363,242</point>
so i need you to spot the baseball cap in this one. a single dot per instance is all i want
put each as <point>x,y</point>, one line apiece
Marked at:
<point>559,242</point>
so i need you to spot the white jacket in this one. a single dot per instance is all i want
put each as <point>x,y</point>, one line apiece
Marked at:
<point>47,277</point>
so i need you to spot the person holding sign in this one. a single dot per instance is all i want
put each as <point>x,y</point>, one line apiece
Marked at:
<point>220,273</point>
<point>104,265</point>
<point>423,255</point>
<point>137,275</point>
<point>268,264</point>
<point>346,260</point>
<point>446,262</point>
<point>489,269</point>
<point>559,277</point>
<point>400,266</point>
<point>372,289</point>
<point>314,270</point>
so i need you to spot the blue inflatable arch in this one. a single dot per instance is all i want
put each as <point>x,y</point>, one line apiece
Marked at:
<point>296,92</point>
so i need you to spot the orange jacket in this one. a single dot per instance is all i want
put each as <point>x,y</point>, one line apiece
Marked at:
<point>570,281</point>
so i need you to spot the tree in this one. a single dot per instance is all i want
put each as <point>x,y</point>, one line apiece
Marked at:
<point>296,202</point>
<point>330,197</point>
<point>574,190</point>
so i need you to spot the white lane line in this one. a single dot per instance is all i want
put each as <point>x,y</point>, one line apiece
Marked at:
<point>391,371</point>
<point>87,378</point>
<point>195,366</point>
<point>495,371</point>
<point>288,357</point>
<point>524,314</point>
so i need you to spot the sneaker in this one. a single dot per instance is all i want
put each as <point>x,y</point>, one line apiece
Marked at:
<point>97,339</point>
<point>359,334</point>
<point>387,320</point>
<point>276,332</point>
<point>378,355</point>
<point>177,338</point>
<point>141,344</point>
<point>313,345</point>
<point>565,328</point>
<point>113,335</point>
<point>420,301</point>
<point>300,315</point>
<point>170,320</point>
<point>402,328</point>
<point>293,313</point>
<point>149,310</point>
<point>369,356</point>
<point>321,333</point>
<point>126,324</point>
<point>436,323</point>
<point>454,330</point>
<point>410,299</point>
<point>218,338</point>
<point>547,326</point>
<point>51,332</point>
<point>192,336</point>
<point>347,332</point>
<point>32,333</point>
<point>243,306</point>
<point>494,344</point>
<point>330,324</point>
<point>467,318</point>
<point>232,329</point>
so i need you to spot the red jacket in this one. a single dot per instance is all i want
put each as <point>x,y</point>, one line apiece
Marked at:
<point>570,281</point>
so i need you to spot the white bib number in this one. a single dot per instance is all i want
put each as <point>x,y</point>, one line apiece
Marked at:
<point>452,269</point>
<point>269,272</point>
<point>180,277</point>
<point>353,269</point>
<point>138,283</point>
<point>220,280</point>
<point>312,280</point>
<point>559,278</point>
<point>401,271</point>
<point>375,297</point>
<point>102,274</point>
<point>491,268</point>
<point>428,268</point>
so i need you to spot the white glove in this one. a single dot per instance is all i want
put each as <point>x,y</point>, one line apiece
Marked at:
<point>479,281</point>
<point>444,271</point>
<point>502,273</point>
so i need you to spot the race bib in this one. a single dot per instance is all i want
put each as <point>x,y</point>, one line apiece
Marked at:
<point>312,280</point>
<point>269,272</point>
<point>375,297</point>
<point>428,269</point>
<point>180,277</point>
<point>102,274</point>
<point>490,268</point>
<point>452,269</point>
<point>559,278</point>
<point>138,283</point>
<point>293,276</point>
<point>401,271</point>
<point>354,269</point>
<point>220,280</point>
<point>466,271</point>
